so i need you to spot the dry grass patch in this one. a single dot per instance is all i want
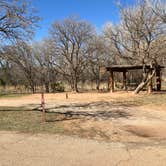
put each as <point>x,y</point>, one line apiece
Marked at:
<point>27,121</point>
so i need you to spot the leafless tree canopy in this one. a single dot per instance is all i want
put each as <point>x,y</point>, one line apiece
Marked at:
<point>140,37</point>
<point>159,8</point>
<point>74,52</point>
<point>17,20</point>
<point>71,38</point>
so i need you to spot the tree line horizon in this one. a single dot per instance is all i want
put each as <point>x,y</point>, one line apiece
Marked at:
<point>74,52</point>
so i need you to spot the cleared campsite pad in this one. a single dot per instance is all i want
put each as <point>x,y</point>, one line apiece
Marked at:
<point>85,129</point>
<point>120,116</point>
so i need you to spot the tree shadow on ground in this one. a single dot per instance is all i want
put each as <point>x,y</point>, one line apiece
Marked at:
<point>95,110</point>
<point>103,115</point>
<point>98,104</point>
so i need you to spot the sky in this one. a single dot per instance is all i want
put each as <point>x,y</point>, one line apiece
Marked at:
<point>97,12</point>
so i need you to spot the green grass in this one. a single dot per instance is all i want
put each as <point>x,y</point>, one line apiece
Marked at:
<point>28,121</point>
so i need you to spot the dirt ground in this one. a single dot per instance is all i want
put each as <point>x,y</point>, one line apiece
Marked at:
<point>53,150</point>
<point>105,129</point>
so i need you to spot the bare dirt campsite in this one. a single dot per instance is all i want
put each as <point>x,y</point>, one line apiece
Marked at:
<point>87,89</point>
<point>85,129</point>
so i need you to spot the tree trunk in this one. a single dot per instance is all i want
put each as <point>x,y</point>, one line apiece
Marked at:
<point>74,81</point>
<point>33,89</point>
<point>71,85</point>
<point>76,85</point>
<point>139,87</point>
<point>32,86</point>
<point>47,87</point>
<point>144,82</point>
<point>98,84</point>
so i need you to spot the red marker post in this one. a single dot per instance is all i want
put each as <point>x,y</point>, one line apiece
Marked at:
<point>43,107</point>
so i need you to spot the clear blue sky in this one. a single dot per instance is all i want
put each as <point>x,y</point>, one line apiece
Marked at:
<point>98,12</point>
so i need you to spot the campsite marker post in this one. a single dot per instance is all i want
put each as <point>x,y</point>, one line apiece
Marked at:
<point>67,96</point>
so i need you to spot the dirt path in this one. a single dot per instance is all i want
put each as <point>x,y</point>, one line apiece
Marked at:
<point>41,150</point>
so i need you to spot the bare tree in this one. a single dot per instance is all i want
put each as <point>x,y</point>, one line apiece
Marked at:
<point>17,20</point>
<point>44,53</point>
<point>135,37</point>
<point>22,56</point>
<point>159,8</point>
<point>98,55</point>
<point>71,38</point>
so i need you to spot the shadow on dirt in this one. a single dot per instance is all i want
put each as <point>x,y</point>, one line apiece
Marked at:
<point>104,115</point>
<point>99,104</point>
<point>95,110</point>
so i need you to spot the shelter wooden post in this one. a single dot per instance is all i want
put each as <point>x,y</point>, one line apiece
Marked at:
<point>126,68</point>
<point>158,79</point>
<point>111,81</point>
<point>124,80</point>
<point>150,87</point>
<point>150,84</point>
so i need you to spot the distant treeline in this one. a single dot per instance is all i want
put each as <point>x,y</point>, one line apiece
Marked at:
<point>74,52</point>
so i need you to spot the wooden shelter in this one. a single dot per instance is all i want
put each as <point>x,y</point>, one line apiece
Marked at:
<point>125,68</point>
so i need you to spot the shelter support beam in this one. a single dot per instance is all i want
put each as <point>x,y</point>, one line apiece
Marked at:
<point>158,79</point>
<point>150,84</point>
<point>124,80</point>
<point>111,81</point>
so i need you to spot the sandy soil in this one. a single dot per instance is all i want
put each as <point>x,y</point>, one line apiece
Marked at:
<point>41,150</point>
<point>60,98</point>
<point>114,133</point>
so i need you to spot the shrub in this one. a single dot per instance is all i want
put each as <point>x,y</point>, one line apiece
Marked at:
<point>57,87</point>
